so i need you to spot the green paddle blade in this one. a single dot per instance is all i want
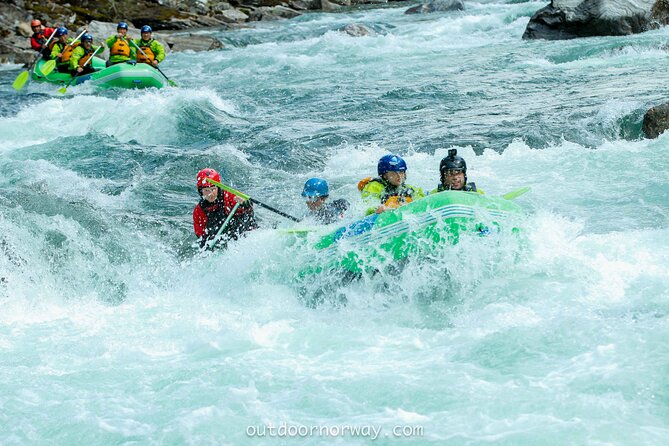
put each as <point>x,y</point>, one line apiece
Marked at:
<point>21,80</point>
<point>48,67</point>
<point>172,83</point>
<point>516,193</point>
<point>62,90</point>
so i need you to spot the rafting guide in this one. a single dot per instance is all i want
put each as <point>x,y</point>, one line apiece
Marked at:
<point>453,174</point>
<point>219,215</point>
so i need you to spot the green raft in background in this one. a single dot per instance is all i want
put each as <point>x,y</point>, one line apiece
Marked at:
<point>121,75</point>
<point>420,226</point>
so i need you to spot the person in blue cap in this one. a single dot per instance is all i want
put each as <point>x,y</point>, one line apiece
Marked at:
<point>317,191</point>
<point>389,190</point>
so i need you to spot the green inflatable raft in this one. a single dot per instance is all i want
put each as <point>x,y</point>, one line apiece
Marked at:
<point>121,75</point>
<point>420,226</point>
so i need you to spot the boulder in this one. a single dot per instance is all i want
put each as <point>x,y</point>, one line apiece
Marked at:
<point>191,41</point>
<point>656,121</point>
<point>272,13</point>
<point>24,29</point>
<point>304,5</point>
<point>220,7</point>
<point>437,6</point>
<point>569,19</point>
<point>357,30</point>
<point>232,16</point>
<point>328,6</point>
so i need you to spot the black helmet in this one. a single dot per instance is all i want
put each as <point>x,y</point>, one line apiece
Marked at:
<point>453,162</point>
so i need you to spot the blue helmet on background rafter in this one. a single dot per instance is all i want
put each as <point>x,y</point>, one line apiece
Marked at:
<point>316,187</point>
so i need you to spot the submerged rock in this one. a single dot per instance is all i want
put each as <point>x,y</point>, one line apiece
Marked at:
<point>656,121</point>
<point>437,6</point>
<point>569,19</point>
<point>357,30</point>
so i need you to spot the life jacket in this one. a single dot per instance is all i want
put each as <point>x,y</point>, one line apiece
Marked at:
<point>217,212</point>
<point>469,187</point>
<point>85,58</point>
<point>150,57</point>
<point>120,48</point>
<point>40,38</point>
<point>394,197</point>
<point>67,52</point>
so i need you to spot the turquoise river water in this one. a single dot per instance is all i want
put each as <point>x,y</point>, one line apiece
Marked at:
<point>114,331</point>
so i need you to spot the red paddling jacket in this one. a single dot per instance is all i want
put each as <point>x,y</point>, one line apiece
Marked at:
<point>208,218</point>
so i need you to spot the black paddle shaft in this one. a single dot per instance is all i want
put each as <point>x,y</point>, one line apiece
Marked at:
<point>270,208</point>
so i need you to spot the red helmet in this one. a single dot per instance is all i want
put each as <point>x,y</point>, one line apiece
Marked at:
<point>204,174</point>
<point>35,23</point>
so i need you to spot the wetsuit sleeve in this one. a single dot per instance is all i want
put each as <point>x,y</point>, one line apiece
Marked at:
<point>110,41</point>
<point>199,221</point>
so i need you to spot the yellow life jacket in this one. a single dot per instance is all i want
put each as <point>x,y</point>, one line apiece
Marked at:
<point>396,201</point>
<point>150,57</point>
<point>120,48</point>
<point>362,183</point>
<point>85,58</point>
<point>67,52</point>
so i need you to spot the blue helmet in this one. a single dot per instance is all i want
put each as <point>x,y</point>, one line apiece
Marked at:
<point>391,163</point>
<point>146,29</point>
<point>86,37</point>
<point>316,187</point>
<point>62,31</point>
<point>122,25</point>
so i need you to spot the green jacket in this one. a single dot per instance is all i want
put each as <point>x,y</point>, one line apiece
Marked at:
<point>57,49</point>
<point>80,52</point>
<point>118,57</point>
<point>156,47</point>
<point>378,191</point>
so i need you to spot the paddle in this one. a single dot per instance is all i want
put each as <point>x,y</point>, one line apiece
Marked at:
<point>64,89</point>
<point>516,193</point>
<point>169,81</point>
<point>212,242</point>
<point>252,200</point>
<point>23,77</point>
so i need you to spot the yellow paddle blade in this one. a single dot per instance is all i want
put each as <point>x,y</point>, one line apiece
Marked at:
<point>48,67</point>
<point>62,90</point>
<point>21,80</point>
